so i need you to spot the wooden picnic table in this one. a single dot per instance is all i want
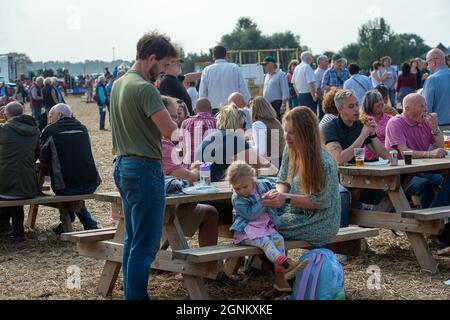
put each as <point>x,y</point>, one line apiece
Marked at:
<point>111,251</point>
<point>392,211</point>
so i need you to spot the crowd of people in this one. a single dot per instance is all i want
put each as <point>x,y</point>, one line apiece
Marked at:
<point>304,125</point>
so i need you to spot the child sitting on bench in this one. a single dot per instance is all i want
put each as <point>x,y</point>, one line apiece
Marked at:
<point>254,224</point>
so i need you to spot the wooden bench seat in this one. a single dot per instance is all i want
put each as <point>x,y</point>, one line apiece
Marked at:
<point>45,200</point>
<point>226,251</point>
<point>89,235</point>
<point>53,201</point>
<point>428,214</point>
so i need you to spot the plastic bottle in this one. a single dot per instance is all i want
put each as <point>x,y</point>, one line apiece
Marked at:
<point>205,174</point>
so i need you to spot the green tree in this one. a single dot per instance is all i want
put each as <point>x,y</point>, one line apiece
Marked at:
<point>192,58</point>
<point>247,36</point>
<point>374,41</point>
<point>407,46</point>
<point>351,52</point>
<point>22,63</point>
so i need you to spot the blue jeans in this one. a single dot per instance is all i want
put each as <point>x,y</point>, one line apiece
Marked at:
<point>293,102</point>
<point>102,116</point>
<point>423,186</point>
<point>141,186</point>
<point>442,198</point>
<point>306,99</point>
<point>36,112</point>
<point>346,201</point>
<point>84,216</point>
<point>392,97</point>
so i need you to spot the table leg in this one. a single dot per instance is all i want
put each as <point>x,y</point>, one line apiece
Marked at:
<point>111,269</point>
<point>195,286</point>
<point>422,252</point>
<point>32,215</point>
<point>417,240</point>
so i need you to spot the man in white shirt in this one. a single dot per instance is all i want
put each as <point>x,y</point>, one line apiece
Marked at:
<point>276,87</point>
<point>359,83</point>
<point>304,81</point>
<point>322,66</point>
<point>221,79</point>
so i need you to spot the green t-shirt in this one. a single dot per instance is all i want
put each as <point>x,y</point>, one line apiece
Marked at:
<point>133,102</point>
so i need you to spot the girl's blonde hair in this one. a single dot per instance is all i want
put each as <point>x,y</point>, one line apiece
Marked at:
<point>305,160</point>
<point>239,171</point>
<point>230,117</point>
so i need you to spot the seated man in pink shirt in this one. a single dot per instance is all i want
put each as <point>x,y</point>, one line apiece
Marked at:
<point>417,130</point>
<point>195,128</point>
<point>204,216</point>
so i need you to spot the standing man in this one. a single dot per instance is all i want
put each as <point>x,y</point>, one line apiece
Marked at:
<point>391,79</point>
<point>304,81</point>
<point>437,87</point>
<point>359,83</point>
<point>336,75</point>
<point>322,66</point>
<point>172,86</point>
<point>36,98</point>
<point>138,121</point>
<point>221,79</point>
<point>276,87</point>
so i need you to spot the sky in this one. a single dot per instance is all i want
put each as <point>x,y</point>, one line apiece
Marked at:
<point>69,30</point>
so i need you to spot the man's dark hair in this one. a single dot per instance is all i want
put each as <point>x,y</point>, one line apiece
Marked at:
<point>382,89</point>
<point>353,68</point>
<point>219,52</point>
<point>157,44</point>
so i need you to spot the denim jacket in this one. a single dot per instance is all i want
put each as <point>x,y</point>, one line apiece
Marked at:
<point>246,209</point>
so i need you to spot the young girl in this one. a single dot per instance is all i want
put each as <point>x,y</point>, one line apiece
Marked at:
<point>254,224</point>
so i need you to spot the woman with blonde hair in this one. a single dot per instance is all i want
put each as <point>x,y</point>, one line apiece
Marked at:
<point>267,131</point>
<point>228,144</point>
<point>307,181</point>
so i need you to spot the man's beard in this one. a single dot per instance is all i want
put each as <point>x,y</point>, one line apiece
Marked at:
<point>153,73</point>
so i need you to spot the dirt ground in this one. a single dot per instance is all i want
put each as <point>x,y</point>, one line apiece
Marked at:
<point>38,268</point>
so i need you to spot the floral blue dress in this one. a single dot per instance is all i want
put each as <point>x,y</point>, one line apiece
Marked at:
<point>316,226</point>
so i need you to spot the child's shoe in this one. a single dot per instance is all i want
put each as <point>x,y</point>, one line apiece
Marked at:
<point>280,283</point>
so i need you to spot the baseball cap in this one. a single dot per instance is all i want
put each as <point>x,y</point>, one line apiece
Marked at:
<point>336,57</point>
<point>268,59</point>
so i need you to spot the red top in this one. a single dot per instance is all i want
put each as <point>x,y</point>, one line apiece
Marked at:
<point>407,81</point>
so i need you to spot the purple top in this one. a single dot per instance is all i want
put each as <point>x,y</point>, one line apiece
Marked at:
<point>400,130</point>
<point>258,228</point>
<point>381,133</point>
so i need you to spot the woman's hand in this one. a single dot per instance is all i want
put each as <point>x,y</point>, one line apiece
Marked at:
<point>274,199</point>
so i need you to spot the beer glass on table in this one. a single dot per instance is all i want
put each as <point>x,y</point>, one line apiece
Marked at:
<point>359,156</point>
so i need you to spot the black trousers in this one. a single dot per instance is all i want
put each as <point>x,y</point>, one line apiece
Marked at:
<point>277,106</point>
<point>17,216</point>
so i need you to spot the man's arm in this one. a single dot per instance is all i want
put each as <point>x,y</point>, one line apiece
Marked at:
<point>379,148</point>
<point>189,175</point>
<point>164,123</point>
<point>436,153</point>
<point>312,90</point>
<point>345,156</point>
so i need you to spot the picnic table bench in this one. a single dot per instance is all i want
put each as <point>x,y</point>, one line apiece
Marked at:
<point>63,203</point>
<point>193,263</point>
<point>394,212</point>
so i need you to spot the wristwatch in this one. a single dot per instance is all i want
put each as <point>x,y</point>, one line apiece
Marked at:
<point>436,132</point>
<point>288,199</point>
<point>373,136</point>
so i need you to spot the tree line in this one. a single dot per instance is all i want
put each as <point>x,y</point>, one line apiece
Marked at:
<point>375,39</point>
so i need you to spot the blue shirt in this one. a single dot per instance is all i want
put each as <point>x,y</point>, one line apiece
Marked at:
<point>331,79</point>
<point>437,94</point>
<point>360,85</point>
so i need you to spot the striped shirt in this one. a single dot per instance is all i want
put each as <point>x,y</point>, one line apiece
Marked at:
<point>192,132</point>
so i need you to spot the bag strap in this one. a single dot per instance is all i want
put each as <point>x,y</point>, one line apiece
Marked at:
<point>319,263</point>
<point>365,89</point>
<point>305,277</point>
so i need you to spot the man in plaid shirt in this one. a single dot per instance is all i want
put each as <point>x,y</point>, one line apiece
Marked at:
<point>195,128</point>
<point>336,75</point>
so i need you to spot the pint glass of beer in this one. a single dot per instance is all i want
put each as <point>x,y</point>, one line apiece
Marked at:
<point>359,156</point>
<point>447,140</point>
